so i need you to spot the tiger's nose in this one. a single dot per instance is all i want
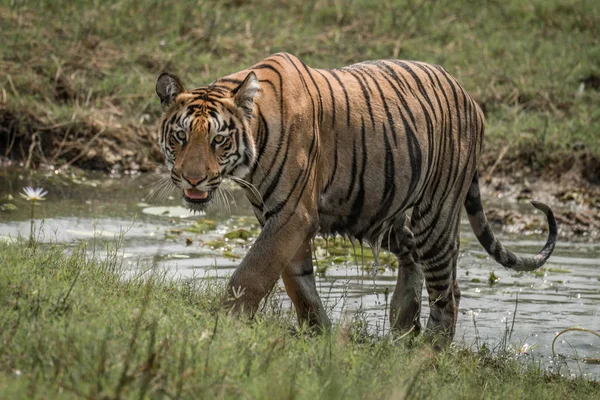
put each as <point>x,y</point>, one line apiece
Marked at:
<point>194,181</point>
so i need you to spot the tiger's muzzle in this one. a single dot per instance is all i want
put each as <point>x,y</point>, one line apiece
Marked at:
<point>199,192</point>
<point>196,196</point>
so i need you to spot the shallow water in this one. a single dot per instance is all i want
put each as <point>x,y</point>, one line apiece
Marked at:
<point>565,294</point>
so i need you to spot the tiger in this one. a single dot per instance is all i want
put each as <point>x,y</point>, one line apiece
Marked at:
<point>383,152</point>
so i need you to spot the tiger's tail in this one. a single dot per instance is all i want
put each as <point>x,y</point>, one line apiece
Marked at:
<point>492,245</point>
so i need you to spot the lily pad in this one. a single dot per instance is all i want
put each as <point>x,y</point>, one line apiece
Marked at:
<point>201,226</point>
<point>540,273</point>
<point>319,242</point>
<point>215,244</point>
<point>559,270</point>
<point>321,269</point>
<point>229,254</point>
<point>7,207</point>
<point>238,234</point>
<point>338,251</point>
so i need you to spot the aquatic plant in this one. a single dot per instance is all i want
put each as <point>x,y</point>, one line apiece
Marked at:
<point>493,278</point>
<point>33,195</point>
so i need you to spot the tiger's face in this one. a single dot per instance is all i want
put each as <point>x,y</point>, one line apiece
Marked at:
<point>205,135</point>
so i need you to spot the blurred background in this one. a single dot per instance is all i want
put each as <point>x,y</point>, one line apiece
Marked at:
<point>77,77</point>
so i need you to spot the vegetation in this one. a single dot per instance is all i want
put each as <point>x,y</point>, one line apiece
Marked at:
<point>73,327</point>
<point>78,76</point>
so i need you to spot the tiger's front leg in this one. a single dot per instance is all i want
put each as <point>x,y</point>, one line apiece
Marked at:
<point>299,280</point>
<point>280,239</point>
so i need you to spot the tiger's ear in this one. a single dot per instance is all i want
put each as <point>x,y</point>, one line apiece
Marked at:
<point>167,88</point>
<point>243,95</point>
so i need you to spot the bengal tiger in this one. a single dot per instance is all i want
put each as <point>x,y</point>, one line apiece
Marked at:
<point>346,151</point>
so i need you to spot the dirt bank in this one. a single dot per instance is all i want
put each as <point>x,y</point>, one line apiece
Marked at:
<point>93,144</point>
<point>31,142</point>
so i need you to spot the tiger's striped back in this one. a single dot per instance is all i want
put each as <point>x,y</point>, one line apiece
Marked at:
<point>379,135</point>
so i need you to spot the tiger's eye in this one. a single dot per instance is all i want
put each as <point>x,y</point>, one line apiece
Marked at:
<point>180,135</point>
<point>219,139</point>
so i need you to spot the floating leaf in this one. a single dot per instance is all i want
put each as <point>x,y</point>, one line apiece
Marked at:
<point>8,207</point>
<point>540,273</point>
<point>338,251</point>
<point>229,254</point>
<point>559,270</point>
<point>238,234</point>
<point>215,244</point>
<point>201,226</point>
<point>321,269</point>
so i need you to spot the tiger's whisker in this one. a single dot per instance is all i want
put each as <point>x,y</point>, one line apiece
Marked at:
<point>229,195</point>
<point>250,186</point>
<point>160,190</point>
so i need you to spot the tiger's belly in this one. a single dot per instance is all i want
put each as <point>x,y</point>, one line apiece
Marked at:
<point>361,218</point>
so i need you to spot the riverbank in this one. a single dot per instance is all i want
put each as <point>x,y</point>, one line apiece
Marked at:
<point>77,87</point>
<point>72,328</point>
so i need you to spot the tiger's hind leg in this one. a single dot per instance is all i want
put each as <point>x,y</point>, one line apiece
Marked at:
<point>437,241</point>
<point>405,307</point>
<point>299,280</point>
<point>444,298</point>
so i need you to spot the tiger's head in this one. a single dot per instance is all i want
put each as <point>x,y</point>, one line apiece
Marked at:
<point>205,135</point>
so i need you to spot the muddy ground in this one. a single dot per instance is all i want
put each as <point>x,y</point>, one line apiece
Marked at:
<point>569,183</point>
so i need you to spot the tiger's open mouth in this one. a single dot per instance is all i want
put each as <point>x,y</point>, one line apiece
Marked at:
<point>197,196</point>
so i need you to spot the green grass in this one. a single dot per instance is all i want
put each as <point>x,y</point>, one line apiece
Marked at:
<point>74,71</point>
<point>72,327</point>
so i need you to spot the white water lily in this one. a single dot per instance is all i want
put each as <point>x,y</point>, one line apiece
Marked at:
<point>524,349</point>
<point>31,194</point>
